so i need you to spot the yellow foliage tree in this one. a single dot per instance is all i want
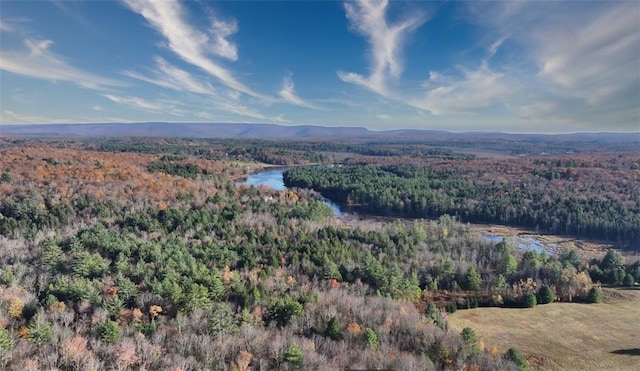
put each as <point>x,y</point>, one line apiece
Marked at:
<point>16,306</point>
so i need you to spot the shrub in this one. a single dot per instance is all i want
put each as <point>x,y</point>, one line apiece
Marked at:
<point>628,280</point>
<point>529,300</point>
<point>594,295</point>
<point>469,336</point>
<point>452,308</point>
<point>5,177</point>
<point>545,295</point>
<point>514,356</point>
<point>471,302</point>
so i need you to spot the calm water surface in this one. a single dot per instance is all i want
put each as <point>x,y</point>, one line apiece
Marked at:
<point>273,178</point>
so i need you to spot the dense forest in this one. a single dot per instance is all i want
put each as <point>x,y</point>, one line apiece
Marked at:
<point>158,258</point>
<point>578,197</point>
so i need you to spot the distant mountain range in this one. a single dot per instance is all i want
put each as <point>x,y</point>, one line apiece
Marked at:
<point>164,130</point>
<point>271,131</point>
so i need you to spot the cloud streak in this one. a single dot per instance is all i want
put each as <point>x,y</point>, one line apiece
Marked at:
<point>12,117</point>
<point>192,45</point>
<point>4,27</point>
<point>146,105</point>
<point>478,89</point>
<point>586,59</point>
<point>168,76</point>
<point>288,93</point>
<point>596,59</point>
<point>475,89</point>
<point>39,62</point>
<point>369,18</point>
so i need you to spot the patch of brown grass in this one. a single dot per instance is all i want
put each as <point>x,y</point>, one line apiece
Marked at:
<point>564,336</point>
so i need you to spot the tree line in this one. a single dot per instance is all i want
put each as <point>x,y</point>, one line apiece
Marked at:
<point>417,192</point>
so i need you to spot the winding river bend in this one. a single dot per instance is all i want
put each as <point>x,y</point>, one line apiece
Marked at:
<point>273,178</point>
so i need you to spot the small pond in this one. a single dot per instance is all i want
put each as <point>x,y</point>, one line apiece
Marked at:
<point>524,242</point>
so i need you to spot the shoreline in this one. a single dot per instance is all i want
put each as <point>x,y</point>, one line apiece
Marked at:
<point>549,243</point>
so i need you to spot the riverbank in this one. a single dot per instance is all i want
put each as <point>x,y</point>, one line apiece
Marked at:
<point>552,244</point>
<point>525,239</point>
<point>271,176</point>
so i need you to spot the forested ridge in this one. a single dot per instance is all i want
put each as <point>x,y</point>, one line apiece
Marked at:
<point>164,261</point>
<point>588,200</point>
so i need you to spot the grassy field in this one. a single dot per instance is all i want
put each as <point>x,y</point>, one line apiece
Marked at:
<point>565,336</point>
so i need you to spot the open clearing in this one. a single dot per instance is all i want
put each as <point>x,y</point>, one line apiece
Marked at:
<point>564,336</point>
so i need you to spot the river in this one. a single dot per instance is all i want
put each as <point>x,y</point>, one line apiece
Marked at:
<point>273,178</point>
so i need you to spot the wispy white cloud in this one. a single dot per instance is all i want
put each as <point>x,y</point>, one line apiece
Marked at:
<point>477,89</point>
<point>171,77</point>
<point>205,115</point>
<point>493,48</point>
<point>288,93</point>
<point>341,101</point>
<point>72,9</point>
<point>12,117</point>
<point>242,110</point>
<point>4,27</point>
<point>192,45</point>
<point>587,58</point>
<point>596,58</point>
<point>164,106</point>
<point>40,62</point>
<point>369,18</point>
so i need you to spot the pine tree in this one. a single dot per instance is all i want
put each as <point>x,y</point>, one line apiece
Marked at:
<point>545,295</point>
<point>473,279</point>
<point>294,357</point>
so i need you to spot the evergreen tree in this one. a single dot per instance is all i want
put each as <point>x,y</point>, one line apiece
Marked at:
<point>628,280</point>
<point>40,331</point>
<point>282,310</point>
<point>109,332</point>
<point>294,357</point>
<point>473,279</point>
<point>370,339</point>
<point>514,356</point>
<point>333,329</point>
<point>594,295</point>
<point>545,295</point>
<point>529,300</point>
<point>471,341</point>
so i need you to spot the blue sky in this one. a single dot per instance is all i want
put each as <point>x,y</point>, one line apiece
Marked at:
<point>526,66</point>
